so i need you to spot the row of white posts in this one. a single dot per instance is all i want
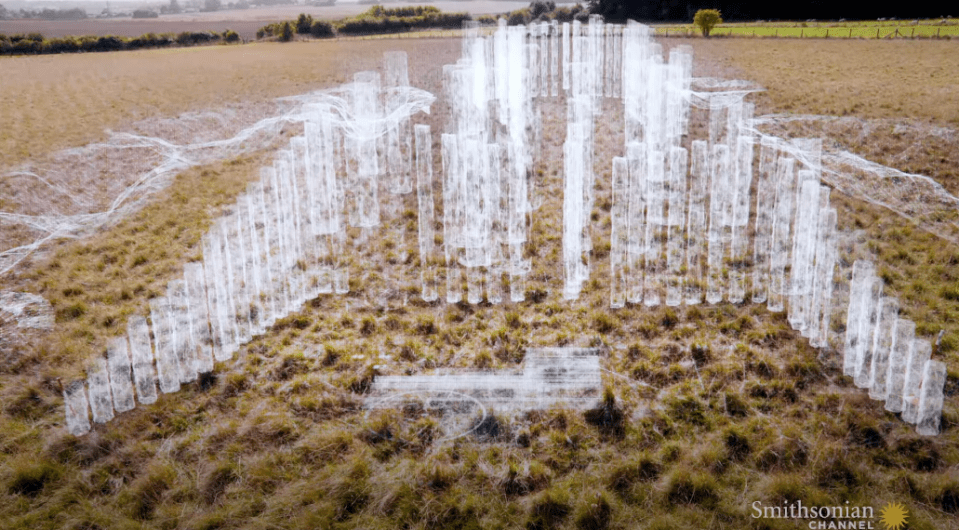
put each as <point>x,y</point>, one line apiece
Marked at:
<point>883,355</point>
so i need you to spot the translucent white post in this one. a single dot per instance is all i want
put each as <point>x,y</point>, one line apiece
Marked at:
<point>195,279</point>
<point>883,341</point>
<point>184,345</point>
<point>807,224</point>
<point>898,363</point>
<point>859,288</point>
<point>867,332</point>
<point>826,253</point>
<point>718,197</point>
<point>619,240</point>
<point>781,241</point>
<point>77,408</point>
<point>566,55</point>
<point>655,228</point>
<point>920,354</point>
<point>141,353</point>
<point>452,207</point>
<point>424,195</point>
<point>636,213</point>
<point>740,214</point>
<point>676,221</point>
<point>98,383</point>
<point>573,207</point>
<point>164,337</point>
<point>118,359</point>
<point>765,213</point>
<point>554,57</point>
<point>696,224</point>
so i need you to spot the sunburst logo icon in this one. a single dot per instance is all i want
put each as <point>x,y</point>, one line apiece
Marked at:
<point>894,516</point>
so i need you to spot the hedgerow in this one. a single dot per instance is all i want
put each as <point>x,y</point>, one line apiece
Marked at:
<point>35,43</point>
<point>377,19</point>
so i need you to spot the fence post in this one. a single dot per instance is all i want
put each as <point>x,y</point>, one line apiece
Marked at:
<point>801,31</point>
<point>827,33</point>
<point>850,33</point>
<point>877,33</point>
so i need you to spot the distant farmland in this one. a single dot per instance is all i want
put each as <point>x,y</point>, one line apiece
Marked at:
<point>243,21</point>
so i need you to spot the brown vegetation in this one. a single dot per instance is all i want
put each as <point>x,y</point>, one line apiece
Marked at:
<point>717,407</point>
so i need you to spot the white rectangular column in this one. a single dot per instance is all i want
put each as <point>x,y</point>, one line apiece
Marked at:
<point>765,213</point>
<point>696,234</point>
<point>141,353</point>
<point>920,354</point>
<point>98,384</point>
<point>859,287</point>
<point>872,307</point>
<point>619,240</point>
<point>77,408</point>
<point>164,336</point>
<point>898,363</point>
<point>676,221</point>
<point>118,360</point>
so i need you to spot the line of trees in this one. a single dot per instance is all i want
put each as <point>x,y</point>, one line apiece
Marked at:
<point>377,19</point>
<point>541,11</point>
<point>35,43</point>
<point>44,14</point>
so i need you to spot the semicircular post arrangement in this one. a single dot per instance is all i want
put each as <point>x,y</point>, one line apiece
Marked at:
<point>705,208</point>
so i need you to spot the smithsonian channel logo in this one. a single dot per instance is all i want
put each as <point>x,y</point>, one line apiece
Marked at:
<point>892,516</point>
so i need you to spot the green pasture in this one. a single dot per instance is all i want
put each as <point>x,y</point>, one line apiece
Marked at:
<point>868,29</point>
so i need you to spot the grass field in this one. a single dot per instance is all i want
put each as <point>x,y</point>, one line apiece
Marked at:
<point>276,439</point>
<point>867,29</point>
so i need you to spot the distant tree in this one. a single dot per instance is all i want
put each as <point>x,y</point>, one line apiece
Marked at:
<point>286,32</point>
<point>706,20</point>
<point>616,9</point>
<point>3,12</point>
<point>321,29</point>
<point>63,14</point>
<point>518,17</point>
<point>212,5</point>
<point>539,8</point>
<point>174,7</point>
<point>303,23</point>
